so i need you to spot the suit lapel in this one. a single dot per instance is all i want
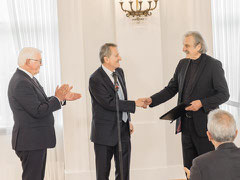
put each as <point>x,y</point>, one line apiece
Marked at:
<point>32,81</point>
<point>183,77</point>
<point>199,72</point>
<point>40,88</point>
<point>106,78</point>
<point>121,80</point>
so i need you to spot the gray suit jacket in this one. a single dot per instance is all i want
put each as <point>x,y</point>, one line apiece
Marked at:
<point>32,113</point>
<point>221,164</point>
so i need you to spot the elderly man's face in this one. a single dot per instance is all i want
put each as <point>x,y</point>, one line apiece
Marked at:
<point>35,63</point>
<point>113,60</point>
<point>189,47</point>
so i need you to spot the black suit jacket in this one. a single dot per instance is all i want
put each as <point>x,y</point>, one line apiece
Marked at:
<point>221,164</point>
<point>210,87</point>
<point>104,116</point>
<point>32,113</point>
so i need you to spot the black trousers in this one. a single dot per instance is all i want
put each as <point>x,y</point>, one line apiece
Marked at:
<point>104,154</point>
<point>33,164</point>
<point>192,144</point>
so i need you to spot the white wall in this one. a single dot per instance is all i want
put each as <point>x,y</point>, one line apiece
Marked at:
<point>140,47</point>
<point>150,52</point>
<point>178,17</point>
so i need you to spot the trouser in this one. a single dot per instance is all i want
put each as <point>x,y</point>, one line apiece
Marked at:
<point>33,164</point>
<point>104,154</point>
<point>192,144</point>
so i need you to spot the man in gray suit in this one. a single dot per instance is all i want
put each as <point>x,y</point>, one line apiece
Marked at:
<point>33,131</point>
<point>224,162</point>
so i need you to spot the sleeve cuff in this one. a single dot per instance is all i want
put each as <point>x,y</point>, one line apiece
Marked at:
<point>62,103</point>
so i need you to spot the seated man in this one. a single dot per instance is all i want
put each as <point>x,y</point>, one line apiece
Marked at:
<point>224,162</point>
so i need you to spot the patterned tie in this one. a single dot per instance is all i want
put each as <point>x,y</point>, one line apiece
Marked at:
<point>121,97</point>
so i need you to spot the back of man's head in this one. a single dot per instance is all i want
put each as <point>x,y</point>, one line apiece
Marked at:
<point>221,126</point>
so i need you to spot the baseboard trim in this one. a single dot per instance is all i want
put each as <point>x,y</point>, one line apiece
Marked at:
<point>153,173</point>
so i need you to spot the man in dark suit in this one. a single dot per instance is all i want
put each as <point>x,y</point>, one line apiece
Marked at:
<point>104,132</point>
<point>224,162</point>
<point>33,130</point>
<point>199,80</point>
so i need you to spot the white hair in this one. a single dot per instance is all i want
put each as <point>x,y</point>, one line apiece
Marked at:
<point>27,53</point>
<point>221,126</point>
<point>198,40</point>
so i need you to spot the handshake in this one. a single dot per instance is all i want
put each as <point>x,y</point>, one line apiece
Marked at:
<point>143,102</point>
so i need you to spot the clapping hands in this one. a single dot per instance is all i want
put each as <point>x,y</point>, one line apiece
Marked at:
<point>143,102</point>
<point>64,93</point>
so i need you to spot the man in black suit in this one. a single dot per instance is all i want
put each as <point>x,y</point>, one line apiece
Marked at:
<point>224,162</point>
<point>33,130</point>
<point>104,133</point>
<point>199,80</point>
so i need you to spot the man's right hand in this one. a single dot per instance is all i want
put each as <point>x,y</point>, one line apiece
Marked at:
<point>141,103</point>
<point>148,101</point>
<point>62,91</point>
<point>187,171</point>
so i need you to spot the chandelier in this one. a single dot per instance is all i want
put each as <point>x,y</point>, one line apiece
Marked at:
<point>139,13</point>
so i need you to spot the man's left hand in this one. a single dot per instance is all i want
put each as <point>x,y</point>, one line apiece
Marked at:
<point>195,106</point>
<point>131,128</point>
<point>71,96</point>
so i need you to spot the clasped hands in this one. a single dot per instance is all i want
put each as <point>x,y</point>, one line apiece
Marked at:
<point>64,93</point>
<point>143,102</point>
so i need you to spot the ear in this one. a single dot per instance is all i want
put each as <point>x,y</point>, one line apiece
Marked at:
<point>27,61</point>
<point>236,133</point>
<point>209,136</point>
<point>106,60</point>
<point>199,46</point>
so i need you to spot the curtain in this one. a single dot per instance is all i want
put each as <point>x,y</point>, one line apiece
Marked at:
<point>226,45</point>
<point>8,65</point>
<point>34,23</point>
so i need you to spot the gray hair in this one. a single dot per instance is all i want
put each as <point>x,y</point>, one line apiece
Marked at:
<point>105,51</point>
<point>198,40</point>
<point>27,53</point>
<point>222,126</point>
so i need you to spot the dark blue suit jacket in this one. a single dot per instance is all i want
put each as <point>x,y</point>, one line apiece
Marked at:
<point>104,116</point>
<point>32,113</point>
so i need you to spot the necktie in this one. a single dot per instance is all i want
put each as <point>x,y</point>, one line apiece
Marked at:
<point>121,97</point>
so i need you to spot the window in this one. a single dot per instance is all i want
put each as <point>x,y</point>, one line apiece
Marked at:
<point>8,64</point>
<point>226,45</point>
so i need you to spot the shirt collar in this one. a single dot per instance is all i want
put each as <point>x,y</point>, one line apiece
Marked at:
<point>28,73</point>
<point>227,145</point>
<point>107,71</point>
<point>196,61</point>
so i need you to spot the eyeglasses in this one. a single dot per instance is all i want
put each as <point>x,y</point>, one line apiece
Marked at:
<point>39,60</point>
